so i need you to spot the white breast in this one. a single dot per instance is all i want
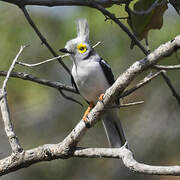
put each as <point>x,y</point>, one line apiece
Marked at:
<point>90,79</point>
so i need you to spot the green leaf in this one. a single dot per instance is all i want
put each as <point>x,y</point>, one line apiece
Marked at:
<point>146,18</point>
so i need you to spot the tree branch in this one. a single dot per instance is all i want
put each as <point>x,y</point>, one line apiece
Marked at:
<point>121,25</point>
<point>174,93</point>
<point>29,77</point>
<point>159,67</point>
<point>51,3</point>
<point>50,152</point>
<point>13,139</point>
<point>127,157</point>
<point>44,41</point>
<point>140,84</point>
<point>67,148</point>
<point>89,3</point>
<point>42,62</point>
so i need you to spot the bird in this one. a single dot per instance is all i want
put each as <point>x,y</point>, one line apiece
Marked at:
<point>92,77</point>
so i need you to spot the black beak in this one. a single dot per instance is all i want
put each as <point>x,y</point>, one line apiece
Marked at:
<point>64,50</point>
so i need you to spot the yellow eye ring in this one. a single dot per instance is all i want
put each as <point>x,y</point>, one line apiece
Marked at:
<point>82,48</point>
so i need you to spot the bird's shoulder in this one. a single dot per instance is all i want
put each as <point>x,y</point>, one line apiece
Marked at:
<point>107,71</point>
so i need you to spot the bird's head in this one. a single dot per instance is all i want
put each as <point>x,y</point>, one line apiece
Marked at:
<point>79,48</point>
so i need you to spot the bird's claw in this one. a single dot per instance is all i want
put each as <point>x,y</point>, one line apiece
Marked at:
<point>85,117</point>
<point>101,97</point>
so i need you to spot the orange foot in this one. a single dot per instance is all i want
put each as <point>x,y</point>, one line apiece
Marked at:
<point>101,97</point>
<point>87,112</point>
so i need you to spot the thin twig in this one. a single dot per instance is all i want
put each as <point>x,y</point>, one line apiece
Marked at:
<point>49,60</point>
<point>174,93</point>
<point>172,67</point>
<point>98,43</point>
<point>69,98</point>
<point>35,79</point>
<point>52,3</point>
<point>121,25</point>
<point>140,84</point>
<point>131,104</point>
<point>42,62</point>
<point>13,139</point>
<point>11,68</point>
<point>125,105</point>
<point>120,18</point>
<point>44,41</point>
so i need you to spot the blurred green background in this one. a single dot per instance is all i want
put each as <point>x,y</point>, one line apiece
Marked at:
<point>40,115</point>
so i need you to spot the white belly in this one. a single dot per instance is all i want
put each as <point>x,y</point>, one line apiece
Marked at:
<point>90,80</point>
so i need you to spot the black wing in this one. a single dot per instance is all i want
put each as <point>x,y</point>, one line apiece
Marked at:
<point>107,71</point>
<point>108,74</point>
<point>74,84</point>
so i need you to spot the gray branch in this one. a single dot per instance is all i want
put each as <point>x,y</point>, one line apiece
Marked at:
<point>67,148</point>
<point>29,77</point>
<point>50,152</point>
<point>13,139</point>
<point>140,84</point>
<point>173,67</point>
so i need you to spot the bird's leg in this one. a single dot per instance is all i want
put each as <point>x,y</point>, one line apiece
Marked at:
<point>87,111</point>
<point>101,97</point>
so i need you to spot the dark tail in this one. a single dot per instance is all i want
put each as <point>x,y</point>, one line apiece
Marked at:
<point>113,128</point>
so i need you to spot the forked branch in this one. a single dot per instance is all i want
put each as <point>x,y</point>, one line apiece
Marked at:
<point>67,148</point>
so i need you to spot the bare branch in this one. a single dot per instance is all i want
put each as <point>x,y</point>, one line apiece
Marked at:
<point>67,148</point>
<point>42,38</point>
<point>29,77</point>
<point>11,68</point>
<point>140,84</point>
<point>44,41</point>
<point>121,25</point>
<point>131,104</point>
<point>127,157</point>
<point>118,87</point>
<point>92,4</point>
<point>51,3</point>
<point>43,62</point>
<point>13,139</point>
<point>69,98</point>
<point>174,93</point>
<point>167,67</point>
<point>49,60</point>
<point>50,152</point>
<point>98,43</point>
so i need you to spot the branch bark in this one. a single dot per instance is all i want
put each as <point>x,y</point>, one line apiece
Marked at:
<point>67,148</point>
<point>29,77</point>
<point>13,139</point>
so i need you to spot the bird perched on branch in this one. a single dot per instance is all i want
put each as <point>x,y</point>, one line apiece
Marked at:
<point>93,76</point>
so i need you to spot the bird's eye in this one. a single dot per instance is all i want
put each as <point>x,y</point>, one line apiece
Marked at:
<point>82,48</point>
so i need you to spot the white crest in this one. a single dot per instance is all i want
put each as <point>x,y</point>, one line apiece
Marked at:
<point>83,29</point>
